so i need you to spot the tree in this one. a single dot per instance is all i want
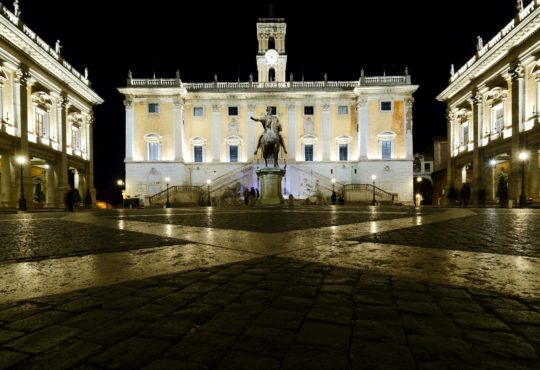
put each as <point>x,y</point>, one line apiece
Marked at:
<point>502,190</point>
<point>39,195</point>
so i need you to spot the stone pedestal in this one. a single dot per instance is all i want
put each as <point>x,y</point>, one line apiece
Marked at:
<point>270,185</point>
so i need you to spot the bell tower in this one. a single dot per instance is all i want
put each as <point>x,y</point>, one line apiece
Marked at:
<point>271,58</point>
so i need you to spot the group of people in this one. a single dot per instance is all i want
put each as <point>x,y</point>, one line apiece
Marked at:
<point>337,197</point>
<point>250,196</point>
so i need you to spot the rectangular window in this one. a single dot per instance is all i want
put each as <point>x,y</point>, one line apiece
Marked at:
<point>343,152</point>
<point>308,110</point>
<point>274,110</point>
<point>343,110</point>
<point>153,151</point>
<point>386,106</point>
<point>75,138</point>
<point>308,152</point>
<point>427,167</point>
<point>386,149</point>
<point>233,111</point>
<point>233,153</point>
<point>40,124</point>
<point>497,114</point>
<point>197,153</point>
<point>153,108</point>
<point>197,111</point>
<point>464,134</point>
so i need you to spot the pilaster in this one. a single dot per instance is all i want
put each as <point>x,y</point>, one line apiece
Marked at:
<point>517,75</point>
<point>409,128</point>
<point>251,139</point>
<point>130,127</point>
<point>326,132</point>
<point>216,133</point>
<point>178,129</point>
<point>293,130</point>
<point>362,123</point>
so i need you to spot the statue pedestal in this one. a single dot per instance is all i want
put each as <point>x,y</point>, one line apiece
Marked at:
<point>270,185</point>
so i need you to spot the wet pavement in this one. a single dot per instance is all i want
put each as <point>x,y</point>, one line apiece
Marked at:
<point>271,288</point>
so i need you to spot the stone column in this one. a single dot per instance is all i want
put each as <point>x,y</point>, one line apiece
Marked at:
<point>22,77</point>
<point>251,135</point>
<point>178,129</point>
<point>533,174</point>
<point>537,109</point>
<point>326,132</point>
<point>450,170</point>
<point>409,128</point>
<point>478,161</point>
<point>62,167</point>
<point>130,127</point>
<point>216,133</point>
<point>514,185</point>
<point>362,123</point>
<point>90,164</point>
<point>2,105</point>
<point>293,131</point>
<point>8,181</point>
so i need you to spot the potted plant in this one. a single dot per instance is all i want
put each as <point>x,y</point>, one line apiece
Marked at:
<point>39,196</point>
<point>502,191</point>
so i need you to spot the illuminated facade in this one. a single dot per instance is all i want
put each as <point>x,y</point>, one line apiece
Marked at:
<point>45,119</point>
<point>493,103</point>
<point>195,133</point>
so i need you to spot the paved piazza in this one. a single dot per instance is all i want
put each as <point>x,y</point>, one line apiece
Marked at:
<point>271,288</point>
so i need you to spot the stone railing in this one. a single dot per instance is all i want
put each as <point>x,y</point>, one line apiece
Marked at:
<point>40,42</point>
<point>522,15</point>
<point>364,81</point>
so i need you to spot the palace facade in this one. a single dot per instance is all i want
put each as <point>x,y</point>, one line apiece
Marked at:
<point>493,120</point>
<point>45,120</point>
<point>338,134</point>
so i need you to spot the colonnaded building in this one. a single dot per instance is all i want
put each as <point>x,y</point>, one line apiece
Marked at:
<point>45,120</point>
<point>337,133</point>
<point>493,110</point>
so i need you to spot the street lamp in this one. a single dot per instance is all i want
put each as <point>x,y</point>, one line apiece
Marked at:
<point>121,184</point>
<point>167,204</point>
<point>208,182</point>
<point>22,202</point>
<point>333,184</point>
<point>373,177</point>
<point>523,156</point>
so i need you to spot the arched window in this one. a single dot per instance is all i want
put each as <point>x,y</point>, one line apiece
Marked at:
<point>271,43</point>
<point>153,146</point>
<point>198,145</point>
<point>343,143</point>
<point>233,143</point>
<point>309,146</point>
<point>387,145</point>
<point>271,74</point>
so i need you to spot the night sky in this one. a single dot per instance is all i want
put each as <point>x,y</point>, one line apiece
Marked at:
<point>202,39</point>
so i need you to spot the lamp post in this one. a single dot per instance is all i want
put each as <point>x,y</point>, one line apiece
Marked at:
<point>167,203</point>
<point>121,184</point>
<point>523,156</point>
<point>373,178</point>
<point>418,195</point>
<point>333,184</point>
<point>22,202</point>
<point>208,182</point>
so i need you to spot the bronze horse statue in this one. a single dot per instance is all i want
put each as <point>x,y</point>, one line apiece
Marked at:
<point>270,141</point>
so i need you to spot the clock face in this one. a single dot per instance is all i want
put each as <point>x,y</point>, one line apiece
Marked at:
<point>271,56</point>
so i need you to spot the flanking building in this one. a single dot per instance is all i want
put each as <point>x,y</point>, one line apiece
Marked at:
<point>493,102</point>
<point>338,134</point>
<point>45,120</point>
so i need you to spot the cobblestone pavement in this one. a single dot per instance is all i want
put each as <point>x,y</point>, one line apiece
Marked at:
<point>347,293</point>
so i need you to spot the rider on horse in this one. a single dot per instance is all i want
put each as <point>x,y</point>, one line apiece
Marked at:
<point>267,121</point>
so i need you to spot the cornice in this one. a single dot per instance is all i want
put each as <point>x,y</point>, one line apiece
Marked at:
<point>494,51</point>
<point>58,67</point>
